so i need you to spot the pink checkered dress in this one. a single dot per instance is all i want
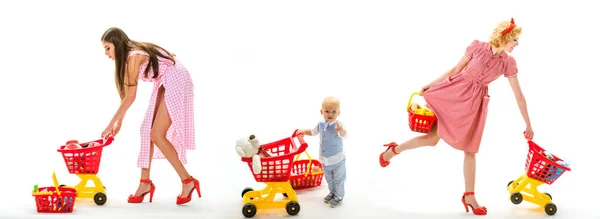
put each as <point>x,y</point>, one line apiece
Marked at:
<point>179,99</point>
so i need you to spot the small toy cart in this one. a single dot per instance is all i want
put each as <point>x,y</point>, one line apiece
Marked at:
<point>303,176</point>
<point>54,199</point>
<point>541,169</point>
<point>276,171</point>
<point>85,163</point>
<point>419,120</point>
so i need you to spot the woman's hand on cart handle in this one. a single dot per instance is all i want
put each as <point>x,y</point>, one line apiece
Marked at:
<point>528,133</point>
<point>107,133</point>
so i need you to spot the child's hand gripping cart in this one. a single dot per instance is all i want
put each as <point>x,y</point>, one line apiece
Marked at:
<point>542,167</point>
<point>83,160</point>
<point>420,119</point>
<point>275,172</point>
<point>54,199</point>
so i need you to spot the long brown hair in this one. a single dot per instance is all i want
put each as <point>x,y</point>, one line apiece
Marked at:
<point>123,45</point>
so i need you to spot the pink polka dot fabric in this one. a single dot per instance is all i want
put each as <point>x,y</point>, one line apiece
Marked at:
<point>179,99</point>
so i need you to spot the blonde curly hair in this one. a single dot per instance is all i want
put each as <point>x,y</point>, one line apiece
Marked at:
<point>497,40</point>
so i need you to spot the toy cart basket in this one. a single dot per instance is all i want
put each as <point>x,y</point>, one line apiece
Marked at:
<point>542,168</point>
<point>278,167</point>
<point>54,199</point>
<point>85,160</point>
<point>419,120</point>
<point>303,176</point>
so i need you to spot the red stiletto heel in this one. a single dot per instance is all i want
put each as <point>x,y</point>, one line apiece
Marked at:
<point>477,211</point>
<point>140,199</point>
<point>391,145</point>
<point>182,200</point>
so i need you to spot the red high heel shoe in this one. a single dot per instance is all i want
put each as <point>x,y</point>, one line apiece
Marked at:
<point>383,162</point>
<point>477,211</point>
<point>140,199</point>
<point>182,200</point>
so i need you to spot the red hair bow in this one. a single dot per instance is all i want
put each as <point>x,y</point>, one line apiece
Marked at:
<point>512,25</point>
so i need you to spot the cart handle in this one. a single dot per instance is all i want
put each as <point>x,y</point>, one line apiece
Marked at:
<point>300,137</point>
<point>104,142</point>
<point>303,144</point>
<point>109,140</point>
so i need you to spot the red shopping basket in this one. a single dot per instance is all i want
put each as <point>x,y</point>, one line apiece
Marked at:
<point>303,176</point>
<point>277,167</point>
<point>541,168</point>
<point>54,199</point>
<point>418,122</point>
<point>48,200</point>
<point>84,160</point>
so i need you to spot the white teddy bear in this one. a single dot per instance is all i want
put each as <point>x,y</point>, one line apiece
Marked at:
<point>250,148</point>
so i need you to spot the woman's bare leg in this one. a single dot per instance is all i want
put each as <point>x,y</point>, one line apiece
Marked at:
<point>158,134</point>
<point>430,139</point>
<point>469,168</point>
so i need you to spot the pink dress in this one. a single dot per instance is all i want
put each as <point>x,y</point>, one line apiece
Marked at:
<point>179,100</point>
<point>460,102</point>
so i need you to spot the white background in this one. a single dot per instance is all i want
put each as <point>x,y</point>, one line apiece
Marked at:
<point>263,67</point>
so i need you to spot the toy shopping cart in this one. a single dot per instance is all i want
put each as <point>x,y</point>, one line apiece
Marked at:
<point>83,160</point>
<point>542,168</point>
<point>419,119</point>
<point>276,171</point>
<point>306,173</point>
<point>54,199</point>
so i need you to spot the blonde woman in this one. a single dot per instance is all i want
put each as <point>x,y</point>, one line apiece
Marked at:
<point>459,98</point>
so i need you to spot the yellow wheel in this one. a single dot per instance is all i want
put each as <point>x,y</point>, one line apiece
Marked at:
<point>249,210</point>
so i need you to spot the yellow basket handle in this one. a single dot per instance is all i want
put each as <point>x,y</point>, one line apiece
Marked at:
<point>49,193</point>
<point>309,164</point>
<point>418,111</point>
<point>410,100</point>
<point>55,183</point>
